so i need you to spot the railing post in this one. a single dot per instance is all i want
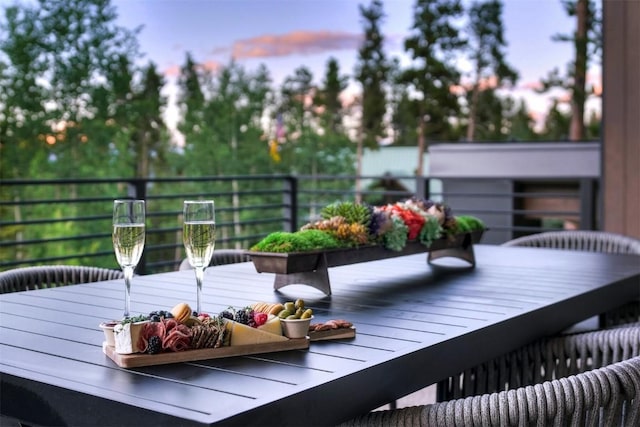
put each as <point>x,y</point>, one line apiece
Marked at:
<point>290,203</point>
<point>587,204</point>
<point>422,187</point>
<point>137,189</point>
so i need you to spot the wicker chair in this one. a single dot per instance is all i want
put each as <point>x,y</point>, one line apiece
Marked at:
<point>583,240</point>
<point>583,379</point>
<point>49,276</point>
<point>221,257</point>
<point>590,241</point>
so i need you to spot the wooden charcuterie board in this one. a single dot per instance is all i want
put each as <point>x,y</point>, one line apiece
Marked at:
<point>333,334</point>
<point>137,360</point>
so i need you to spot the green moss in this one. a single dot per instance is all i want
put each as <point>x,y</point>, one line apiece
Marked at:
<point>468,223</point>
<point>299,241</point>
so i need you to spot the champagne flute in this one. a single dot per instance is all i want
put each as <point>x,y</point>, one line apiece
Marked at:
<point>199,237</point>
<point>128,240</point>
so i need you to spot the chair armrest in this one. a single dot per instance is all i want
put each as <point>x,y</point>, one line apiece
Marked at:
<point>603,396</point>
<point>544,360</point>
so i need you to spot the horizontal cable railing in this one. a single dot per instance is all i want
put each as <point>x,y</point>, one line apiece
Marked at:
<point>69,221</point>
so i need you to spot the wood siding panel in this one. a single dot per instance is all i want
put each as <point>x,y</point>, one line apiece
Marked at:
<point>632,148</point>
<point>621,117</point>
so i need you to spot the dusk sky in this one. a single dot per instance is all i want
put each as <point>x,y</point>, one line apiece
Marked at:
<point>285,34</point>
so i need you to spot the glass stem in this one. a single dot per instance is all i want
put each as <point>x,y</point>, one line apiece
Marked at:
<point>128,275</point>
<point>199,279</point>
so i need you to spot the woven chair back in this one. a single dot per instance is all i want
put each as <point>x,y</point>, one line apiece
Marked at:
<point>49,276</point>
<point>583,240</point>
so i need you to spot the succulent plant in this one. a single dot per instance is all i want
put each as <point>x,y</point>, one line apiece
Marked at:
<point>396,238</point>
<point>350,234</point>
<point>380,223</point>
<point>347,224</point>
<point>431,230</point>
<point>353,213</point>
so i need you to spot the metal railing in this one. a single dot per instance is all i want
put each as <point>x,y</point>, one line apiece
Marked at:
<point>69,221</point>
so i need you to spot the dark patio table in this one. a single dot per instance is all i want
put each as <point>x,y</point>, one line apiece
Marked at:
<point>416,324</point>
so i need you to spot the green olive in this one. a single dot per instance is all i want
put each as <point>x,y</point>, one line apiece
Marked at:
<point>299,303</point>
<point>290,306</point>
<point>284,314</point>
<point>307,314</point>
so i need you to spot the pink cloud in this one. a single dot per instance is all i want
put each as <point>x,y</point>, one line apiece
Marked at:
<point>531,85</point>
<point>210,65</point>
<point>172,71</point>
<point>485,83</point>
<point>296,42</point>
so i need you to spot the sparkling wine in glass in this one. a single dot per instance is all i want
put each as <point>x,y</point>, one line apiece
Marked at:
<point>128,240</point>
<point>199,237</point>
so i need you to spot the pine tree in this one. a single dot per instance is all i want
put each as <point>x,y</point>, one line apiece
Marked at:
<point>335,153</point>
<point>404,117</point>
<point>329,98</point>
<point>150,139</point>
<point>587,43</point>
<point>521,124</point>
<point>556,124</point>
<point>433,45</point>
<point>193,123</point>
<point>190,97</point>
<point>371,72</point>
<point>490,70</point>
<point>296,106</point>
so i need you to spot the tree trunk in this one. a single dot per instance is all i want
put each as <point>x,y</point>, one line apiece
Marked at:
<point>473,108</point>
<point>235,201</point>
<point>421,146</point>
<point>577,130</point>
<point>142,147</point>
<point>358,195</point>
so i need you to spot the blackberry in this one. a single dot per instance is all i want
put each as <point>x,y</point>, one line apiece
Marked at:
<point>226,314</point>
<point>155,345</point>
<point>243,316</point>
<point>155,318</point>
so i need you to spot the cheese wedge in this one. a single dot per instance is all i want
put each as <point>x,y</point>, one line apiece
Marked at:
<point>246,335</point>
<point>272,325</point>
<point>126,337</point>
